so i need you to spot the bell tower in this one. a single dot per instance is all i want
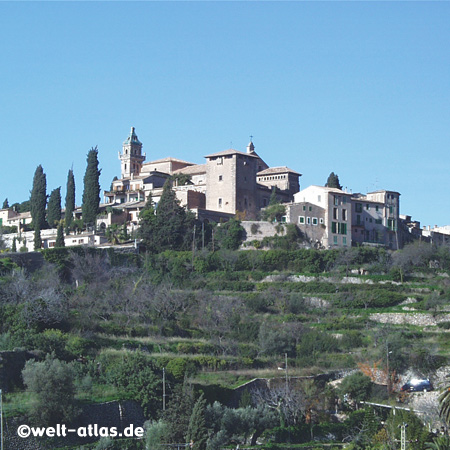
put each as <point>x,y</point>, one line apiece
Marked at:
<point>131,158</point>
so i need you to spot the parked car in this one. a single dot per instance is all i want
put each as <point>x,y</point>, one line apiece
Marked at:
<point>418,385</point>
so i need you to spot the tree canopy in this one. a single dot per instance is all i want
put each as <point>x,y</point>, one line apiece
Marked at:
<point>70,199</point>
<point>54,207</point>
<point>333,181</point>
<point>38,198</point>
<point>91,193</point>
<point>169,226</point>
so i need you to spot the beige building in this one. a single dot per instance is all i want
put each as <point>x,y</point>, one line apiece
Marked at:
<point>324,215</point>
<point>11,218</point>
<point>330,217</point>
<point>376,219</point>
<point>230,182</point>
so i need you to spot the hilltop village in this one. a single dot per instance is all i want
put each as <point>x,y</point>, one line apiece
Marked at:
<point>233,183</point>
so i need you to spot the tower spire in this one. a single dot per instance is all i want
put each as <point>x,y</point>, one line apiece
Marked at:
<point>250,146</point>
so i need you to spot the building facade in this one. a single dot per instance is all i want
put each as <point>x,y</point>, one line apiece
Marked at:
<point>230,182</point>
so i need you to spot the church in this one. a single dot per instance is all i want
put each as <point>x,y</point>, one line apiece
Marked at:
<point>229,183</point>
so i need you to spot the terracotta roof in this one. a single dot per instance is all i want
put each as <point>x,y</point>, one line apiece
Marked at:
<point>168,159</point>
<point>231,151</point>
<point>192,170</point>
<point>276,170</point>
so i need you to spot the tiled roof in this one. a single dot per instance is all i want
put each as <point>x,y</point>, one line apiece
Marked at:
<point>276,170</point>
<point>231,151</point>
<point>192,170</point>
<point>168,159</point>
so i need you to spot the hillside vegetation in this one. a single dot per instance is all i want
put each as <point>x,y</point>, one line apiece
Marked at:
<point>110,322</point>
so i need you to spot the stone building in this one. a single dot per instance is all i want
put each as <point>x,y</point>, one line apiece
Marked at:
<point>330,217</point>
<point>324,215</point>
<point>230,182</point>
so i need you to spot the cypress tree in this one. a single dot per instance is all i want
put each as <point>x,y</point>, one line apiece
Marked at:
<point>37,238</point>
<point>60,236</point>
<point>14,246</point>
<point>54,207</point>
<point>197,433</point>
<point>5,204</point>
<point>70,200</point>
<point>91,193</point>
<point>38,198</point>
<point>333,181</point>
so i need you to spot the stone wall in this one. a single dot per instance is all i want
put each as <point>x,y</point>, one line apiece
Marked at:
<point>258,230</point>
<point>111,414</point>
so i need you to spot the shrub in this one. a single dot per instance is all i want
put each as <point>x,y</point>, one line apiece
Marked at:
<point>52,383</point>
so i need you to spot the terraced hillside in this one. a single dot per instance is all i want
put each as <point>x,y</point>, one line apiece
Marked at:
<point>214,321</point>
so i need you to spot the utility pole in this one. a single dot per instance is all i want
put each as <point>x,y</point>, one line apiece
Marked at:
<point>287,379</point>
<point>164,389</point>
<point>1,420</point>
<point>193,247</point>
<point>388,381</point>
<point>403,436</point>
<point>203,235</point>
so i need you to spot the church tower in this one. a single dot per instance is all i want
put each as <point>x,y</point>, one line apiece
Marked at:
<point>131,158</point>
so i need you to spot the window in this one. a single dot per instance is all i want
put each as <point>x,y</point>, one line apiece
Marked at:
<point>344,200</point>
<point>319,198</point>
<point>370,220</point>
<point>310,208</point>
<point>391,209</point>
<point>336,200</point>
<point>358,207</point>
<point>219,161</point>
<point>333,227</point>
<point>304,208</point>
<point>314,221</point>
<point>377,208</point>
<point>301,219</point>
<point>220,203</point>
<point>344,214</point>
<point>321,221</point>
<point>344,240</point>
<point>335,240</point>
<point>367,207</point>
<point>220,178</point>
<point>308,220</point>
<point>335,213</point>
<point>342,228</point>
<point>378,221</point>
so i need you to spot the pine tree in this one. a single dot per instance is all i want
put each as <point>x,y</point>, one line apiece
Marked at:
<point>91,193</point>
<point>170,220</point>
<point>38,199</point>
<point>54,208</point>
<point>70,200</point>
<point>5,204</point>
<point>333,181</point>
<point>60,236</point>
<point>197,433</point>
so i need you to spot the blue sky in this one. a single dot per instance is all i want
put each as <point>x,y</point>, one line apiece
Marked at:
<point>358,88</point>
